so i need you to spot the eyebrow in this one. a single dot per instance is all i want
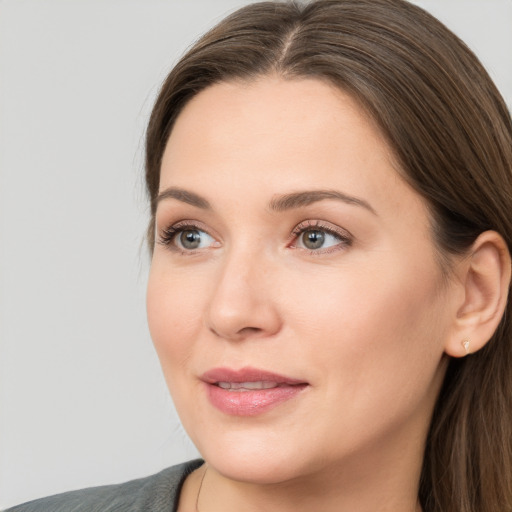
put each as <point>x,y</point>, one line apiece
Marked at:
<point>277,204</point>
<point>184,196</point>
<point>307,197</point>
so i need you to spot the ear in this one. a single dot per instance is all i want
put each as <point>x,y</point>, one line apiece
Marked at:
<point>485,277</point>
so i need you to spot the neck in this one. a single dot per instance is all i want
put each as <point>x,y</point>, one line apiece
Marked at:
<point>382,489</point>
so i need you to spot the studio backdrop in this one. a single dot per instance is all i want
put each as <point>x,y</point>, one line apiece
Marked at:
<point>82,398</point>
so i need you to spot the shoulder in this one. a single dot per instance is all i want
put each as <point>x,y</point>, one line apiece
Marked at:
<point>154,493</point>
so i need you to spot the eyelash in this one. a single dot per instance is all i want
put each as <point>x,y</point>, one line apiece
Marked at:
<point>170,233</point>
<point>344,237</point>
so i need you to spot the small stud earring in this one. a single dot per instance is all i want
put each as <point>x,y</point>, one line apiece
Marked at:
<point>465,344</point>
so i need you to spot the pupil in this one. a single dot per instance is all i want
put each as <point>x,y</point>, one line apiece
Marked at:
<point>314,239</point>
<point>190,239</point>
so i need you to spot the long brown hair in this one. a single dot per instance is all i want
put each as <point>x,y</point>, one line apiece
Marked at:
<point>451,134</point>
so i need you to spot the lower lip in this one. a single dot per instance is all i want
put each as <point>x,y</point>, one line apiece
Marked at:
<point>253,402</point>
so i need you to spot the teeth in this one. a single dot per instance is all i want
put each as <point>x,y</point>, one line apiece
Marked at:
<point>247,386</point>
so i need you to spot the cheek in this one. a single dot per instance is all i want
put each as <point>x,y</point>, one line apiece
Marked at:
<point>174,313</point>
<point>376,330</point>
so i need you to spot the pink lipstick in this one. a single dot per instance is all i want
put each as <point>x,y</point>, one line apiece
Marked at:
<point>249,391</point>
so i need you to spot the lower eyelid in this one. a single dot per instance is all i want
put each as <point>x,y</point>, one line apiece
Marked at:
<point>344,242</point>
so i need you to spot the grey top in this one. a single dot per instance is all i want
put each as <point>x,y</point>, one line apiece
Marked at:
<point>156,493</point>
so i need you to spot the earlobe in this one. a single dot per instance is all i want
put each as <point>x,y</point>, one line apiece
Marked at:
<point>485,275</point>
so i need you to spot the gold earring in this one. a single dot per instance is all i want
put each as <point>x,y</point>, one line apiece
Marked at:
<point>465,344</point>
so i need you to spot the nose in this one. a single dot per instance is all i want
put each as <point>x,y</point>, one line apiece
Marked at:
<point>242,304</point>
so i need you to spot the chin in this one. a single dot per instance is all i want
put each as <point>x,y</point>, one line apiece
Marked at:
<point>255,457</point>
<point>257,469</point>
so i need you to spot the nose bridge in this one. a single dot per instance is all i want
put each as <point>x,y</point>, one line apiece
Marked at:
<point>241,302</point>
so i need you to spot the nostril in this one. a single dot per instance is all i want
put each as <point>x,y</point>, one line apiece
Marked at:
<point>249,330</point>
<point>245,332</point>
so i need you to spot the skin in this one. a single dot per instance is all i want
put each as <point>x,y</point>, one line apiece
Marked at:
<point>364,320</point>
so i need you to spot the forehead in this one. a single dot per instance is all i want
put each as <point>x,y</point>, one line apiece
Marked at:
<point>285,109</point>
<point>270,116</point>
<point>289,134</point>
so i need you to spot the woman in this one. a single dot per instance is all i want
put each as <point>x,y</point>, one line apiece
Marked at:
<point>330,187</point>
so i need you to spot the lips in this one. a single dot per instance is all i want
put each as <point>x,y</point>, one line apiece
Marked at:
<point>249,391</point>
<point>247,386</point>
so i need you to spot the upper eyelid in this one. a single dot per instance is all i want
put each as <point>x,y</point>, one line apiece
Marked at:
<point>183,224</point>
<point>303,225</point>
<point>188,223</point>
<point>321,225</point>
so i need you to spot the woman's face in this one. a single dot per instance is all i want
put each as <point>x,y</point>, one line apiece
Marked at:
<point>294,299</point>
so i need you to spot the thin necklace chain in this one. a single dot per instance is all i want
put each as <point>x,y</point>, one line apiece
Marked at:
<point>200,487</point>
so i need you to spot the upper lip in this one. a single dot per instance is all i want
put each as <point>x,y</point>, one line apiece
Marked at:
<point>246,374</point>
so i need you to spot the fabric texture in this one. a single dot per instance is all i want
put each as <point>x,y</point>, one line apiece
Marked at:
<point>156,493</point>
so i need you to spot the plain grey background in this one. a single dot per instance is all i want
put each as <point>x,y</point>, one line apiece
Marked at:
<point>82,398</point>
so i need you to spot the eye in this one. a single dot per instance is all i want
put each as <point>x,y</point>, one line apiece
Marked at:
<point>317,237</point>
<point>186,237</point>
<point>190,239</point>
